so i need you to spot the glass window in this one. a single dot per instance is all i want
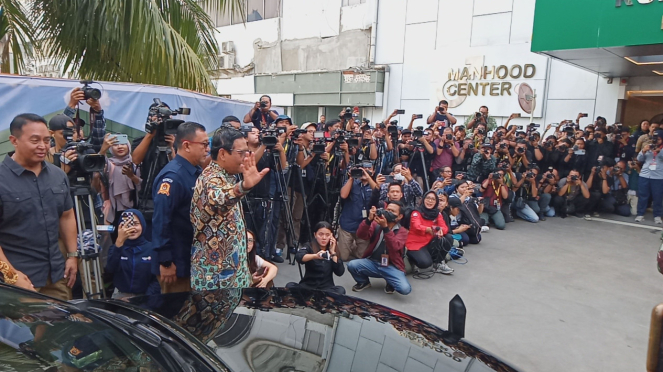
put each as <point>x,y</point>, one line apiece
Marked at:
<point>222,17</point>
<point>256,10</point>
<point>237,14</point>
<point>272,8</point>
<point>353,2</point>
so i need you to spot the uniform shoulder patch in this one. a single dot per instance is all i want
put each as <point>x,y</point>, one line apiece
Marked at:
<point>164,189</point>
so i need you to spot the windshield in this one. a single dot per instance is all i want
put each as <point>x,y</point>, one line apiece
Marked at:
<point>38,334</point>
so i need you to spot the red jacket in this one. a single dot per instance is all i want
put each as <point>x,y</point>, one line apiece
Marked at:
<point>395,242</point>
<point>418,237</point>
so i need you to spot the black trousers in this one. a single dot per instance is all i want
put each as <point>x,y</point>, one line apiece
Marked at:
<point>433,252</point>
<point>579,204</point>
<point>336,289</point>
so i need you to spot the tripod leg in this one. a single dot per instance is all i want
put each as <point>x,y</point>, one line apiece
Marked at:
<point>80,224</point>
<point>94,262</point>
<point>423,164</point>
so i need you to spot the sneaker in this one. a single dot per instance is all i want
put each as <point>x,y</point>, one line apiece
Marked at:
<point>277,259</point>
<point>485,229</point>
<point>443,268</point>
<point>641,218</point>
<point>542,216</point>
<point>657,220</point>
<point>588,217</point>
<point>596,214</point>
<point>388,289</point>
<point>360,286</point>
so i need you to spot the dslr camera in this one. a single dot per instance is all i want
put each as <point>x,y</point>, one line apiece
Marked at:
<point>496,175</point>
<point>89,91</point>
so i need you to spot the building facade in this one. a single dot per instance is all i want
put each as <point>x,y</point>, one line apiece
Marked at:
<point>316,57</point>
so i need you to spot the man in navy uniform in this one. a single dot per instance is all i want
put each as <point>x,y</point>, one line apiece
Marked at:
<point>172,232</point>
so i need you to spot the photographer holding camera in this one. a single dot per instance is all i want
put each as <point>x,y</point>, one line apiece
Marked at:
<point>483,164</point>
<point>441,114</point>
<point>616,200</point>
<point>36,209</point>
<point>410,188</point>
<point>572,196</point>
<point>355,200</point>
<point>528,203</point>
<point>321,260</point>
<point>481,117</point>
<point>384,256</point>
<point>260,114</point>
<point>495,193</point>
<point>650,182</point>
<point>447,150</point>
<point>574,159</point>
<point>97,120</point>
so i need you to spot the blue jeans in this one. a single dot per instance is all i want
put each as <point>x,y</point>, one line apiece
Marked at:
<point>365,268</point>
<point>528,214</point>
<point>648,187</point>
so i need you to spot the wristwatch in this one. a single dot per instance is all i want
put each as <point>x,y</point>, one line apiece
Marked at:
<point>73,254</point>
<point>166,264</point>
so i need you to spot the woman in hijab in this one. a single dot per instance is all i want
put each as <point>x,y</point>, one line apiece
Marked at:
<point>427,230</point>
<point>130,258</point>
<point>123,183</point>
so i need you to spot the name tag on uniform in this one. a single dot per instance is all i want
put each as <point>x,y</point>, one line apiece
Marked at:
<point>652,167</point>
<point>384,261</point>
<point>124,258</point>
<point>303,172</point>
<point>363,213</point>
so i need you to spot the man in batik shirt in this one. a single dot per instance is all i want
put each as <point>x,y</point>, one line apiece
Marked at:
<point>219,255</point>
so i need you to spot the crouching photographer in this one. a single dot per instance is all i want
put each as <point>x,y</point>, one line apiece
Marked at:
<point>494,193</point>
<point>614,188</point>
<point>384,256</point>
<point>572,195</point>
<point>426,244</point>
<point>529,204</point>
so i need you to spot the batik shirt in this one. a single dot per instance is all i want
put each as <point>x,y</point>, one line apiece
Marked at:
<point>218,255</point>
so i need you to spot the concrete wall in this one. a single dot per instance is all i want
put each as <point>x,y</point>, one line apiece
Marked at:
<point>419,40</point>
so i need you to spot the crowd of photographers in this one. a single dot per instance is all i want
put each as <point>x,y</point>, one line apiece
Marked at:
<point>380,201</point>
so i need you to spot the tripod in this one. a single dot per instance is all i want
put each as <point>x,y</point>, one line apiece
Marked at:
<point>320,173</point>
<point>145,202</point>
<point>420,149</point>
<point>89,257</point>
<point>295,171</point>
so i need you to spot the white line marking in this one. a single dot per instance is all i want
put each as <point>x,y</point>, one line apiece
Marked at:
<point>627,224</point>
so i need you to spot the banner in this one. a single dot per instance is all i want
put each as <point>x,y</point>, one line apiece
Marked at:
<point>125,105</point>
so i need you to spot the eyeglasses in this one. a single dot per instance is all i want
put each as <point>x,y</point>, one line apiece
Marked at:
<point>205,144</point>
<point>241,152</point>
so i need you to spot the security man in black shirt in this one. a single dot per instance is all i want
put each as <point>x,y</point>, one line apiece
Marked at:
<point>172,232</point>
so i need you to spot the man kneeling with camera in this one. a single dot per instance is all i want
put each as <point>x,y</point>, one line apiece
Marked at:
<point>384,256</point>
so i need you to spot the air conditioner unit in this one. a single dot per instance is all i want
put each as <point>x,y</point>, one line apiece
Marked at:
<point>228,47</point>
<point>226,61</point>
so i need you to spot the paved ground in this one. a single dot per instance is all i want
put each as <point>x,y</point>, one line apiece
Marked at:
<point>560,295</point>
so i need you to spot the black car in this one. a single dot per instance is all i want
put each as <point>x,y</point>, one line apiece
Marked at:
<point>228,330</point>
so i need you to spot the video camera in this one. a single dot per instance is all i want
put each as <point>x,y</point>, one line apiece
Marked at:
<point>164,114</point>
<point>347,114</point>
<point>270,136</point>
<point>85,164</point>
<point>319,141</point>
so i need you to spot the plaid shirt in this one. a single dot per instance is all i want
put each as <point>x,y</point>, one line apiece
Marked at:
<point>97,129</point>
<point>411,190</point>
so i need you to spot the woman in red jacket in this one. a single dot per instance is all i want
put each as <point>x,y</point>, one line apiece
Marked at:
<point>427,230</point>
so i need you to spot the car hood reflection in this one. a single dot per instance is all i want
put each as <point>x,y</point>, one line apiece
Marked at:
<point>303,330</point>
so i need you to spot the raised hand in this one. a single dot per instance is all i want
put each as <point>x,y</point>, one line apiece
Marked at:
<point>250,172</point>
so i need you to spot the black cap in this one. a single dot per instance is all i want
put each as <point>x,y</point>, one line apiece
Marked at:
<point>59,122</point>
<point>454,202</point>
<point>406,131</point>
<point>487,145</point>
<point>230,118</point>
